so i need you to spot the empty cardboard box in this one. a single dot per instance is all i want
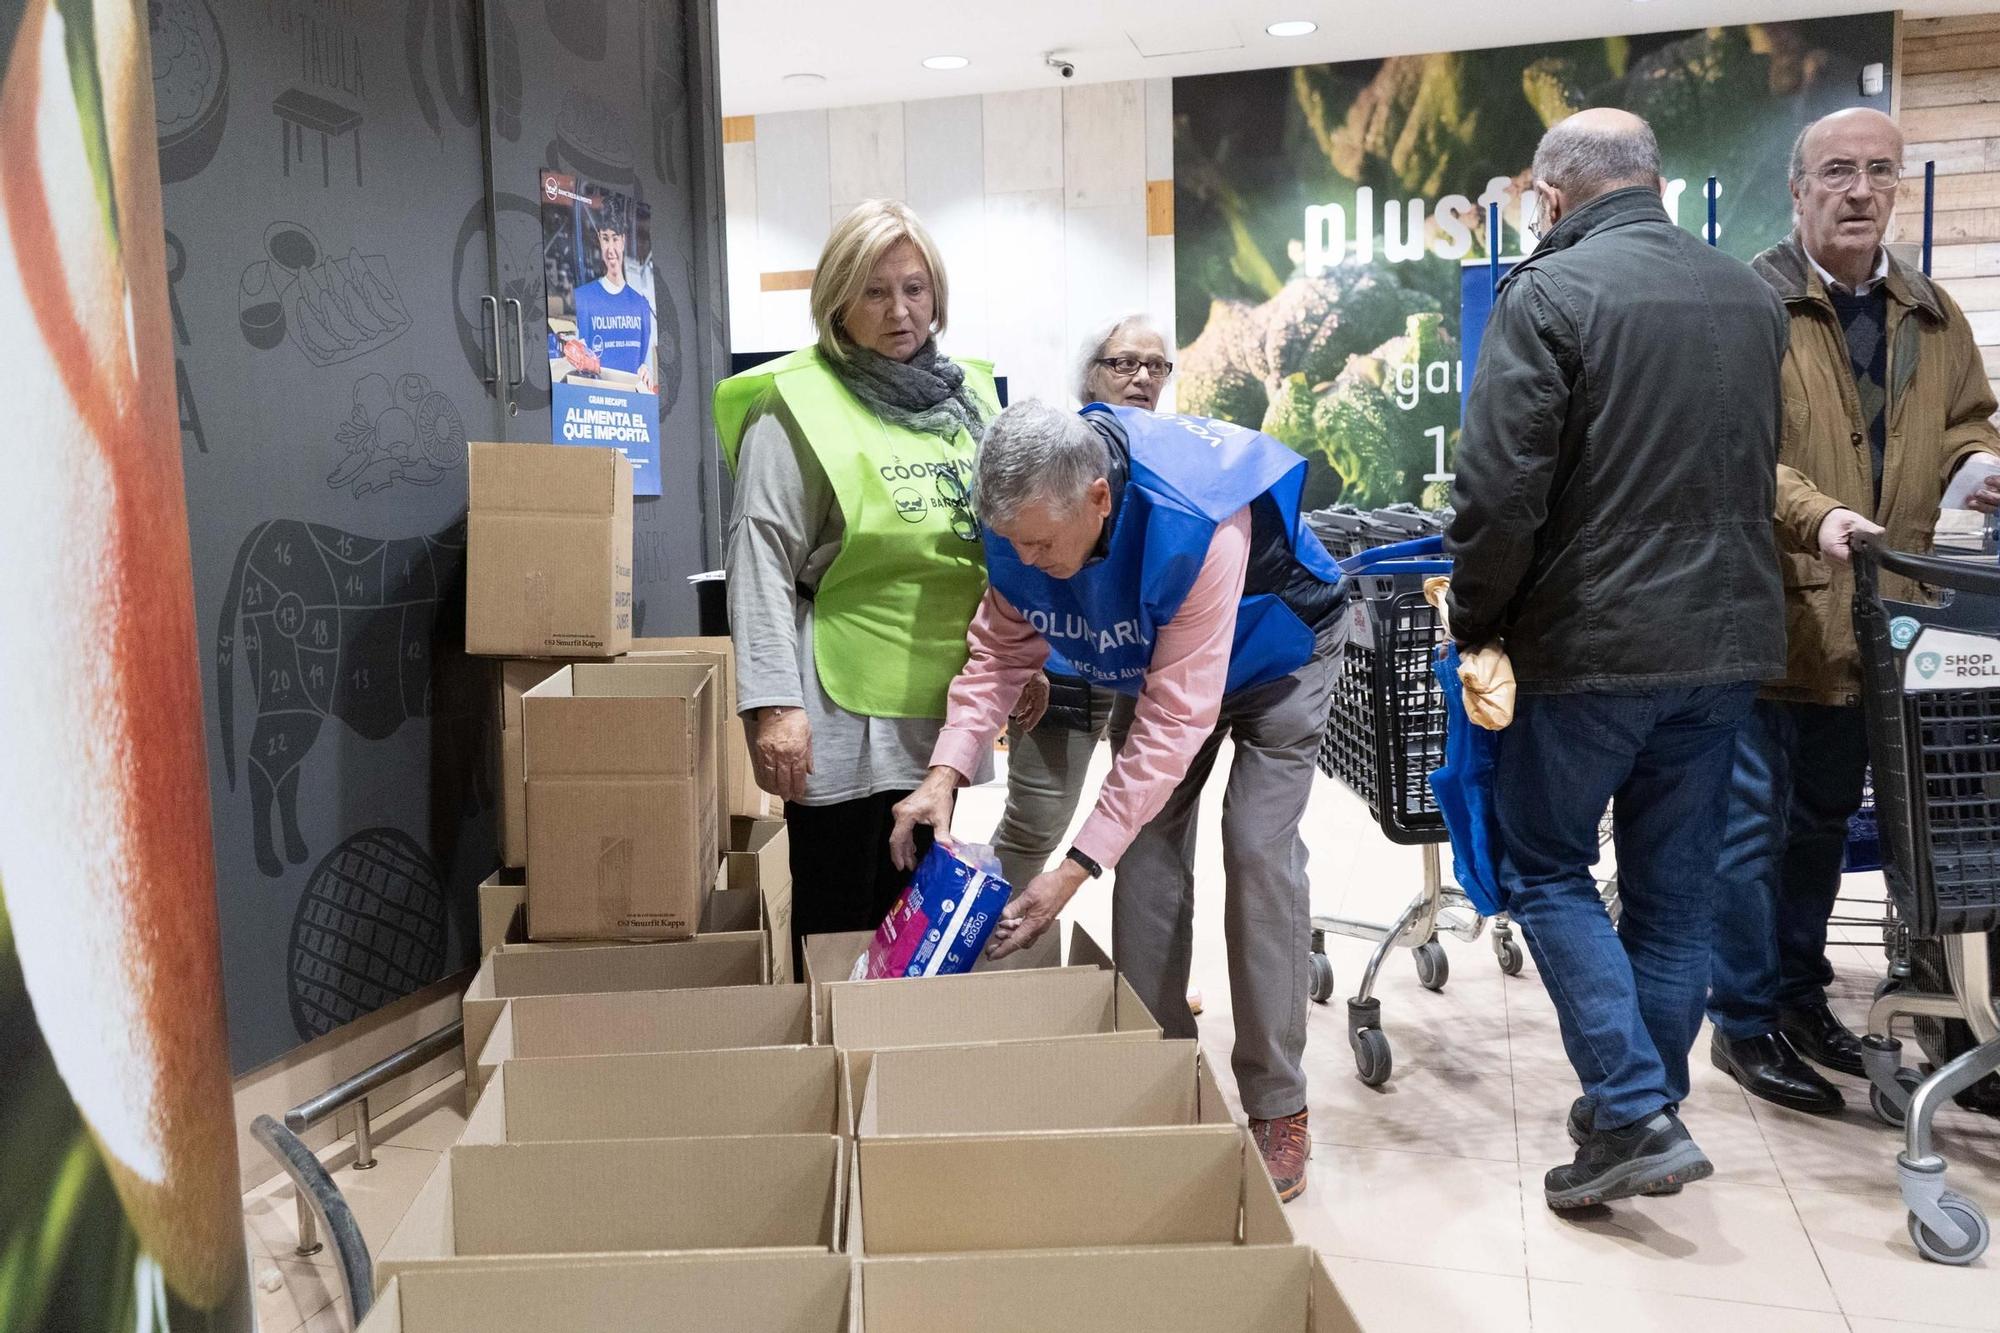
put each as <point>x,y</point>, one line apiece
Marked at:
<point>759,861</point>
<point>514,970</point>
<point>503,909</point>
<point>549,551</point>
<point>640,1022</point>
<point>716,1292</point>
<point>947,1194</point>
<point>741,794</point>
<point>830,961</point>
<point>720,718</point>
<point>679,1094</point>
<point>1022,1087</point>
<point>517,677</point>
<point>621,762</point>
<point>621,1197</point>
<point>1196,1289</point>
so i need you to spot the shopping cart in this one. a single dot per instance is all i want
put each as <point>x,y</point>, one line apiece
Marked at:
<point>1384,736</point>
<point>1931,695</point>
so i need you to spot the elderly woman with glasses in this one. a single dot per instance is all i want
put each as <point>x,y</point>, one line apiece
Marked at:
<point>854,561</point>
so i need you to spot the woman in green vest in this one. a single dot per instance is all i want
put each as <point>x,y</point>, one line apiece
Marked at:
<point>854,561</point>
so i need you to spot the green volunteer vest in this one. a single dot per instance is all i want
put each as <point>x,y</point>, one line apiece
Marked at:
<point>890,616</point>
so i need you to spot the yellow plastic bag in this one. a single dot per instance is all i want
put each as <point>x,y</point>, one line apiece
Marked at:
<point>1486,677</point>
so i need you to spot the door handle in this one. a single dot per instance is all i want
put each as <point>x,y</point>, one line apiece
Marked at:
<point>492,304</point>
<point>520,347</point>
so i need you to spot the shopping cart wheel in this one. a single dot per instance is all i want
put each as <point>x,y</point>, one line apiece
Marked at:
<point>1321,985</point>
<point>1886,985</point>
<point>1371,1056</point>
<point>1970,1220</point>
<point>1433,968</point>
<point>1887,1111</point>
<point>1511,959</point>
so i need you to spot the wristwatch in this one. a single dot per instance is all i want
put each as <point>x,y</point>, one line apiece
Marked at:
<point>1090,867</point>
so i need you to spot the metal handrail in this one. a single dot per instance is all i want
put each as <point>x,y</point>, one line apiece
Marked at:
<point>353,1091</point>
<point>320,1197</point>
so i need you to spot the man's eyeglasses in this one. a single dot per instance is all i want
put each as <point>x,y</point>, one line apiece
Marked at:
<point>1125,367</point>
<point>1882,174</point>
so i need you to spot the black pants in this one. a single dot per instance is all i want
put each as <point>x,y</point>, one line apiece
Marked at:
<point>842,877</point>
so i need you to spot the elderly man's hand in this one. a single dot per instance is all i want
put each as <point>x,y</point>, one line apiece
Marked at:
<point>1030,915</point>
<point>1987,498</point>
<point>781,750</point>
<point>1033,704</point>
<point>931,803</point>
<point>1836,534</point>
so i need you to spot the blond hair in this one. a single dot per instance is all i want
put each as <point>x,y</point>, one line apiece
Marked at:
<point>858,242</point>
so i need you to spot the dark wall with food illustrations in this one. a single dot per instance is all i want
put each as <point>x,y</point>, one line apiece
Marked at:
<point>347,182</point>
<point>1325,215</point>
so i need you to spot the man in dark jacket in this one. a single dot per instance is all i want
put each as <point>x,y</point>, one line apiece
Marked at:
<point>1615,488</point>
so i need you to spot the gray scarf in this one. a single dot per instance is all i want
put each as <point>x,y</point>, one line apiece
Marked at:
<point>927,393</point>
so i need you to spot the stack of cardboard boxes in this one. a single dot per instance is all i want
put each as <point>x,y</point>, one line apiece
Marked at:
<point>655,1140</point>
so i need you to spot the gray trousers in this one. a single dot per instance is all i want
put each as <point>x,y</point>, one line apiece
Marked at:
<point>1045,772</point>
<point>1277,728</point>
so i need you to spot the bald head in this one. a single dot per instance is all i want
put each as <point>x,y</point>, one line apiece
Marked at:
<point>1595,152</point>
<point>1844,172</point>
<point>1861,127</point>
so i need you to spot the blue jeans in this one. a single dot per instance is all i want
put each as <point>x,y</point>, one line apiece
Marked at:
<point>1629,999</point>
<point>1798,775</point>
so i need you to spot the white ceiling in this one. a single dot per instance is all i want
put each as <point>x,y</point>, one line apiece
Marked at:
<point>872,50</point>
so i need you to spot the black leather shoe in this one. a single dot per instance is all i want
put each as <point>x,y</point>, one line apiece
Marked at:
<point>1823,1039</point>
<point>1983,1097</point>
<point>1768,1067</point>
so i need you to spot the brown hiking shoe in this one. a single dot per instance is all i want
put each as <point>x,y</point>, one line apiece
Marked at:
<point>1285,1146</point>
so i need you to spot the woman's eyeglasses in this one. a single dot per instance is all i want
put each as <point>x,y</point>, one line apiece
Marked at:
<point>1125,367</point>
<point>951,490</point>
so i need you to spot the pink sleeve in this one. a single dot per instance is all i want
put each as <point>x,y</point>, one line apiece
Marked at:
<point>1004,651</point>
<point>1178,701</point>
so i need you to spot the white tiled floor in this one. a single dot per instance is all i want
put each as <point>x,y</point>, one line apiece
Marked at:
<point>1426,1194</point>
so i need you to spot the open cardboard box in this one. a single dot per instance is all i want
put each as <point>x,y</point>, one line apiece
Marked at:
<point>515,970</point>
<point>1196,1289</point>
<point>518,676</point>
<point>638,1022</point>
<point>1114,1189</point>
<point>759,861</point>
<point>1023,1087</point>
<point>621,765</point>
<point>503,910</point>
<point>548,551</point>
<point>623,1196</point>
<point>830,960</point>
<point>771,1291</point>
<point>679,1094</point>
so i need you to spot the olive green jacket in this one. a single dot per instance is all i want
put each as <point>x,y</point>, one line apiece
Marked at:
<point>1939,405</point>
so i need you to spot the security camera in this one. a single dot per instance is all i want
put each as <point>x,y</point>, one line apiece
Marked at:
<point>1059,65</point>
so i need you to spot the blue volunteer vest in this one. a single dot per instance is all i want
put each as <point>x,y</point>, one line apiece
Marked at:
<point>1187,475</point>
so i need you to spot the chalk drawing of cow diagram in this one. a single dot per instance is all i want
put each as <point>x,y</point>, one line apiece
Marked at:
<point>330,624</point>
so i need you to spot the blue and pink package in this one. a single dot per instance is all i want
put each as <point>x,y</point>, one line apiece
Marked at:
<point>943,918</point>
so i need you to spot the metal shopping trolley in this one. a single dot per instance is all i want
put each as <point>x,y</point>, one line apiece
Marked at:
<point>1385,734</point>
<point>1931,694</point>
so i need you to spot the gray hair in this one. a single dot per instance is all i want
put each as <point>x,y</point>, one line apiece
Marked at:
<point>1584,161</point>
<point>1034,452</point>
<point>1099,339</point>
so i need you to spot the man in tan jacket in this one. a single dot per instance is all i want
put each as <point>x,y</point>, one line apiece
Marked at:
<point>1885,398</point>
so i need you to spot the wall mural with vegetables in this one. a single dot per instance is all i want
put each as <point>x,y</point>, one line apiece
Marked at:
<point>119,1206</point>
<point>1323,215</point>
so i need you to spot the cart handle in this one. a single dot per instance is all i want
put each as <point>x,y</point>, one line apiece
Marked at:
<point>1961,575</point>
<point>1361,561</point>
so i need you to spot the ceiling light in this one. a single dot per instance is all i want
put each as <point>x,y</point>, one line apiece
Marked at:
<point>945,62</point>
<point>805,78</point>
<point>1292,28</point>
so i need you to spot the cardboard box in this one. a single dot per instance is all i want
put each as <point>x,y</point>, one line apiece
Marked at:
<point>1057,1003</point>
<point>716,1292</point>
<point>741,793</point>
<point>638,1022</point>
<point>515,970</point>
<point>621,762</point>
<point>1244,1289</point>
<point>503,909</point>
<point>548,551</point>
<point>680,1094</point>
<point>830,959</point>
<point>720,717</point>
<point>620,1197</point>
<point>517,677</point>
<point>760,861</point>
<point>1116,1189</point>
<point>1005,1088</point>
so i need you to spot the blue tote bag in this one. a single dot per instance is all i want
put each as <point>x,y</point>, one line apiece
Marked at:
<point>1463,788</point>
